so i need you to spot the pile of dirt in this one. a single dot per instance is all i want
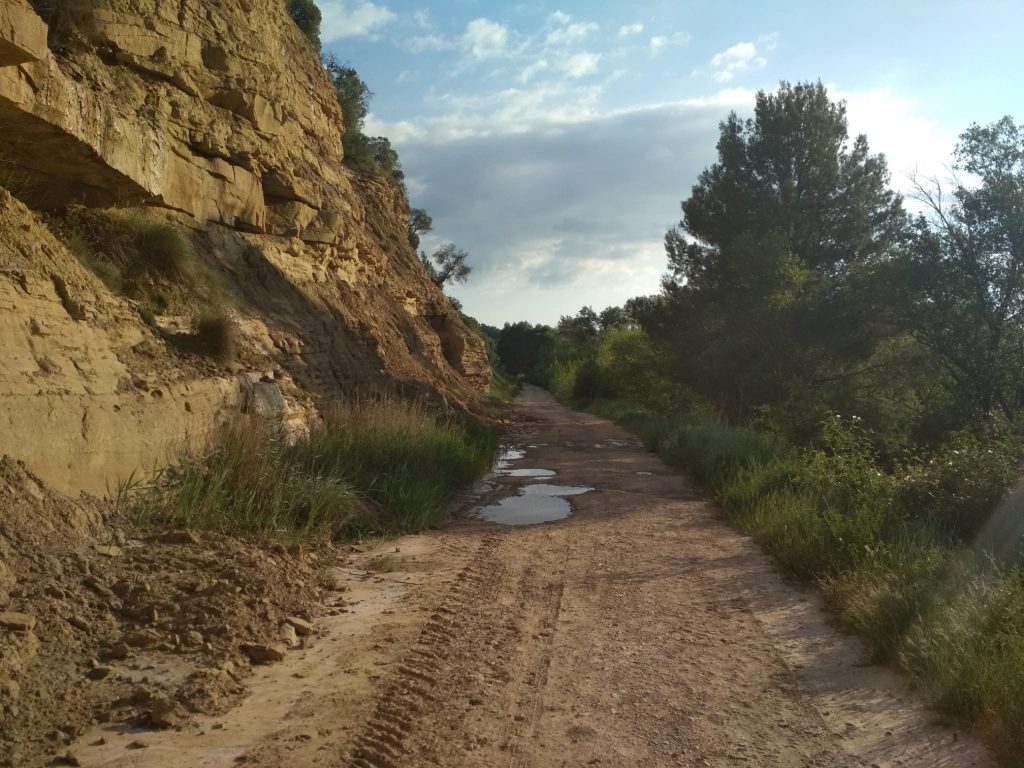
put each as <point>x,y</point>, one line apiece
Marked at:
<point>98,626</point>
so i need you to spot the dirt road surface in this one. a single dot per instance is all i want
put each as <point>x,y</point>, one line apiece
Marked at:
<point>640,631</point>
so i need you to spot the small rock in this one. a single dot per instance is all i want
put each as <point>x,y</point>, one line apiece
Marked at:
<point>302,627</point>
<point>178,537</point>
<point>118,651</point>
<point>264,653</point>
<point>66,759</point>
<point>98,673</point>
<point>101,589</point>
<point>79,622</point>
<point>288,636</point>
<point>17,622</point>
<point>162,711</point>
<point>142,638</point>
<point>108,550</point>
<point>192,637</point>
<point>137,745</point>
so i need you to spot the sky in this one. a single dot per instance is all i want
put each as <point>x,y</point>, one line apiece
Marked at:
<point>555,141</point>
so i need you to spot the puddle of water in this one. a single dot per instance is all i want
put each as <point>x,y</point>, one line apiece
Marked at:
<point>541,503</point>
<point>546,489</point>
<point>506,455</point>
<point>528,472</point>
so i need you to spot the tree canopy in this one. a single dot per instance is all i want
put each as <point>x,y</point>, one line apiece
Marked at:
<point>768,264</point>
<point>447,265</point>
<point>307,18</point>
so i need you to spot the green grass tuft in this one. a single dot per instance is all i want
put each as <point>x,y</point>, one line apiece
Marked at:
<point>216,336</point>
<point>251,484</point>
<point>375,467</point>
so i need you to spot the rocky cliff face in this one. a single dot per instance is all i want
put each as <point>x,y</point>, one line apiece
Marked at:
<point>218,118</point>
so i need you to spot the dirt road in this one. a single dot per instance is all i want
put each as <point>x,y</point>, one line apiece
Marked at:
<point>641,631</point>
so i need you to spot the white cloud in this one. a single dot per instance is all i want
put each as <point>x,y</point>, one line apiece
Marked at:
<point>660,42</point>
<point>768,42</point>
<point>581,64</point>
<point>725,65</point>
<point>430,41</point>
<point>361,20</point>
<point>533,69</point>
<point>567,233</point>
<point>564,31</point>
<point>485,39</point>
<point>631,29</point>
<point>893,124</point>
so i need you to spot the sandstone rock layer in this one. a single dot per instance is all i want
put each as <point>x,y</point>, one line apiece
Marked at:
<point>217,117</point>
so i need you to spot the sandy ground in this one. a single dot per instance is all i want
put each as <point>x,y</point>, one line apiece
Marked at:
<point>641,631</point>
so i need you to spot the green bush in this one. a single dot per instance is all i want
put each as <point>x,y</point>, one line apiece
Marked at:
<point>251,484</point>
<point>563,379</point>
<point>215,335</point>
<point>588,383</point>
<point>307,18</point>
<point>15,181</point>
<point>383,467</point>
<point>400,455</point>
<point>961,487</point>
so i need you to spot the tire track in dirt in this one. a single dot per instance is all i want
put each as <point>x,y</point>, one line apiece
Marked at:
<point>408,693</point>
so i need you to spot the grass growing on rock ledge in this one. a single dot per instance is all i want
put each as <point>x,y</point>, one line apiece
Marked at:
<point>370,468</point>
<point>889,551</point>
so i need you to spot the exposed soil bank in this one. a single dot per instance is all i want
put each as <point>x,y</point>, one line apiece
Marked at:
<point>640,631</point>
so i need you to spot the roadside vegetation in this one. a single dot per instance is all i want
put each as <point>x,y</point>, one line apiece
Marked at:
<point>846,379</point>
<point>370,468</point>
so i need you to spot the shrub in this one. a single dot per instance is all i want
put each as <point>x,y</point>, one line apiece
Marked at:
<point>588,383</point>
<point>961,487</point>
<point>391,456</point>
<point>400,455</point>
<point>15,181</point>
<point>563,379</point>
<point>251,484</point>
<point>307,18</point>
<point>215,335</point>
<point>161,248</point>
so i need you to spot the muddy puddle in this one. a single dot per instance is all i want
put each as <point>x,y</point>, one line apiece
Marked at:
<point>541,503</point>
<point>507,455</point>
<point>529,472</point>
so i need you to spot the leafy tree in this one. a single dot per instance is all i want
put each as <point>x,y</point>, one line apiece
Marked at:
<point>307,18</point>
<point>447,265</point>
<point>960,286</point>
<point>419,224</point>
<point>613,317</point>
<point>765,294</point>
<point>525,348</point>
<point>386,158</point>
<point>578,333</point>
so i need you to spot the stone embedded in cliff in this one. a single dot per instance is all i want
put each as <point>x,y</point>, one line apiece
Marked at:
<point>22,34</point>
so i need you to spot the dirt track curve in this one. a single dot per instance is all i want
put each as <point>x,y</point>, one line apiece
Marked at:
<point>641,631</point>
